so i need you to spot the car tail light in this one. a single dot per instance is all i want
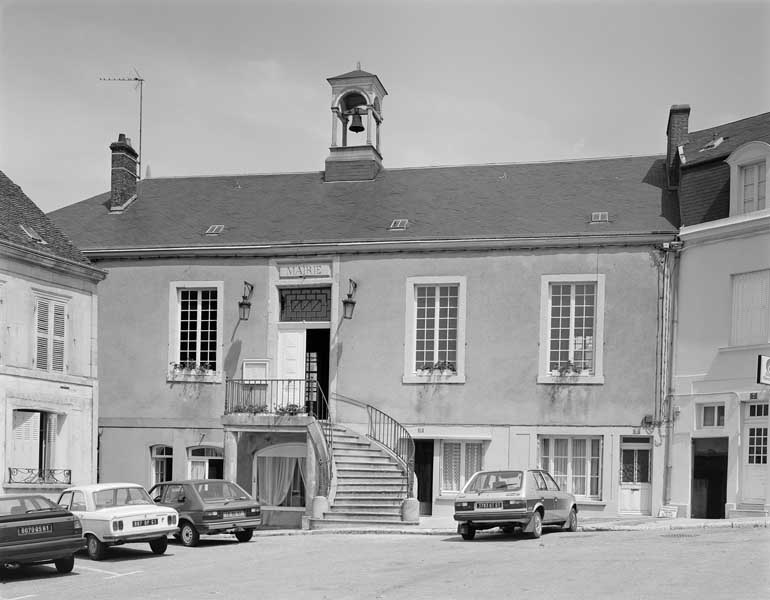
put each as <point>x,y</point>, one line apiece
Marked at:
<point>76,526</point>
<point>212,514</point>
<point>117,525</point>
<point>463,505</point>
<point>254,510</point>
<point>514,504</point>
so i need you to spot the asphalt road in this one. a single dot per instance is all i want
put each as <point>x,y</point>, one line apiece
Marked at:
<point>703,564</point>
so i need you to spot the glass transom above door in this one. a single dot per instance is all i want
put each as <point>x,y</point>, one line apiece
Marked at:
<point>305,304</point>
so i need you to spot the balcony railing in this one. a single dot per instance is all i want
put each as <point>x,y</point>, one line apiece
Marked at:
<point>26,475</point>
<point>275,397</point>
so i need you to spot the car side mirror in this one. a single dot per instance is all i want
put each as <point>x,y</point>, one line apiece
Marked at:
<point>157,499</point>
<point>181,498</point>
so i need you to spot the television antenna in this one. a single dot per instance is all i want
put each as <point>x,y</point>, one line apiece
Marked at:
<point>140,84</point>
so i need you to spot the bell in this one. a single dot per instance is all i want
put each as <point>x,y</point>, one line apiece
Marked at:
<point>356,126</point>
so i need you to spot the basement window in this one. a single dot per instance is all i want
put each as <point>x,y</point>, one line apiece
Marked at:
<point>600,217</point>
<point>215,229</point>
<point>399,225</point>
<point>32,234</point>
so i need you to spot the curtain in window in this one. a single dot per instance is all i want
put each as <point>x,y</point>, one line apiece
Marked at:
<point>450,472</point>
<point>579,467</point>
<point>274,477</point>
<point>472,459</point>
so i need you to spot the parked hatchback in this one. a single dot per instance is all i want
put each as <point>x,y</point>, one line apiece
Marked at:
<point>34,530</point>
<point>119,513</point>
<point>209,506</point>
<point>513,498</point>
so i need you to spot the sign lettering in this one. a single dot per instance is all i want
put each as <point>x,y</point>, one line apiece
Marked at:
<point>305,270</point>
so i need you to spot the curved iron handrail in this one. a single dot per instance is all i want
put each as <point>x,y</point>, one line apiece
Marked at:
<point>385,430</point>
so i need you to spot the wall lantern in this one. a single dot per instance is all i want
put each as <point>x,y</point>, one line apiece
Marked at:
<point>244,306</point>
<point>348,304</point>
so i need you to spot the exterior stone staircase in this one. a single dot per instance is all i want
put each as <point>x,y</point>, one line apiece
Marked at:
<point>748,510</point>
<point>370,486</point>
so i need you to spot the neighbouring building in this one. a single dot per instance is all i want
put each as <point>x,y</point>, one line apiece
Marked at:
<point>48,385</point>
<point>316,336</point>
<point>718,410</point>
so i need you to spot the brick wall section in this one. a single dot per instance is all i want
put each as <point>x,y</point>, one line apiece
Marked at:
<point>306,304</point>
<point>123,174</point>
<point>676,132</point>
<point>351,170</point>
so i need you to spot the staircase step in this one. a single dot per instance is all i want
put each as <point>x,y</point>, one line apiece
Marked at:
<point>355,472</point>
<point>335,523</point>
<point>365,502</point>
<point>367,495</point>
<point>366,460</point>
<point>351,515</point>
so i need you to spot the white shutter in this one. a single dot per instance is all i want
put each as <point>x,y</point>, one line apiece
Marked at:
<point>26,435</point>
<point>41,347</point>
<point>751,308</point>
<point>51,434</point>
<point>59,323</point>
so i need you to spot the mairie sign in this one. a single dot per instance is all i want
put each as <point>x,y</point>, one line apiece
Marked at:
<point>305,270</point>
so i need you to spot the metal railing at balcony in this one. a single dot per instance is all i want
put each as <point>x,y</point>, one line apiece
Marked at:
<point>385,430</point>
<point>28,475</point>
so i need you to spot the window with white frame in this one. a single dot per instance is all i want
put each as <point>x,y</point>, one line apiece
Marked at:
<point>162,463</point>
<point>757,446</point>
<point>435,329</point>
<point>575,463</point>
<point>571,328</point>
<point>748,178</point>
<point>195,330</point>
<point>50,334</point>
<point>460,459</point>
<point>711,415</point>
<point>750,322</point>
<point>205,463</point>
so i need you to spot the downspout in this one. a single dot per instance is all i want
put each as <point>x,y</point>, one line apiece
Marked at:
<point>670,321</point>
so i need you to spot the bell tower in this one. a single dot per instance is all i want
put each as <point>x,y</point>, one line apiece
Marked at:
<point>356,107</point>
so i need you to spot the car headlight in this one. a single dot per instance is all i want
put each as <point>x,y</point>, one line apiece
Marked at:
<point>172,519</point>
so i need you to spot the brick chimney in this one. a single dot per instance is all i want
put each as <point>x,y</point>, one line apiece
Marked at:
<point>676,134</point>
<point>123,176</point>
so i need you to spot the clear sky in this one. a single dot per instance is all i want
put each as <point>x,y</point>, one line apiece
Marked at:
<point>236,87</point>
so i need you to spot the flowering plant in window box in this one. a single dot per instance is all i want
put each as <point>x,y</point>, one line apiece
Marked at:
<point>253,409</point>
<point>192,368</point>
<point>442,367</point>
<point>290,409</point>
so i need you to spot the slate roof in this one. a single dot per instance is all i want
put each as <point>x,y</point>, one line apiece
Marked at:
<point>457,203</point>
<point>17,209</point>
<point>704,188</point>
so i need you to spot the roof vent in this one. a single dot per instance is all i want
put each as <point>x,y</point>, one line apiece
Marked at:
<point>215,229</point>
<point>600,217</point>
<point>399,225</point>
<point>32,234</point>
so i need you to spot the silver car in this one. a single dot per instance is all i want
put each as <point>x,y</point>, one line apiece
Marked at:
<point>513,498</point>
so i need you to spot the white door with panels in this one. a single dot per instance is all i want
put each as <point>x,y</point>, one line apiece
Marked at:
<point>635,493</point>
<point>754,461</point>
<point>291,368</point>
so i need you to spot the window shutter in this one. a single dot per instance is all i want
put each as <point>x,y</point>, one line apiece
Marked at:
<point>41,348</point>
<point>51,432</point>
<point>57,360</point>
<point>751,308</point>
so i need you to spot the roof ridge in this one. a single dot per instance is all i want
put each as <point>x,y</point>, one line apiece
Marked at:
<point>730,123</point>
<point>416,168</point>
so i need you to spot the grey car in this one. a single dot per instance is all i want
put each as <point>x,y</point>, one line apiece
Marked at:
<point>209,506</point>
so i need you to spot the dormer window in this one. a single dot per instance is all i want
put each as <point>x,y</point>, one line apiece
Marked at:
<point>754,186</point>
<point>748,178</point>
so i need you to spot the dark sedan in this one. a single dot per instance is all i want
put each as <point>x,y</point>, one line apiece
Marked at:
<point>34,530</point>
<point>209,506</point>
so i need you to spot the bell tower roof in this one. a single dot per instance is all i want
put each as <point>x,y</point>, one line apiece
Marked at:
<point>358,74</point>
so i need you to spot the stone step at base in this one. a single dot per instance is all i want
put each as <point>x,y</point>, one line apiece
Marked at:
<point>334,523</point>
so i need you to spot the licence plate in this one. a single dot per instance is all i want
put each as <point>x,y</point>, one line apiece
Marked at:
<point>489,504</point>
<point>35,529</point>
<point>145,522</point>
<point>235,514</point>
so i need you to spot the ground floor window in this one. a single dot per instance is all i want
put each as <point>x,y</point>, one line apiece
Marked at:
<point>281,480</point>
<point>757,445</point>
<point>33,455</point>
<point>206,463</point>
<point>459,461</point>
<point>575,463</point>
<point>162,463</point>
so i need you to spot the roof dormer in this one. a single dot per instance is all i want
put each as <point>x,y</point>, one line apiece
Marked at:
<point>749,171</point>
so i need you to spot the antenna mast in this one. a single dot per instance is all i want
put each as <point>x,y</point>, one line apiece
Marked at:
<point>139,82</point>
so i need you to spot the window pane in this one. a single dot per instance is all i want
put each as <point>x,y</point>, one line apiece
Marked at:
<point>629,461</point>
<point>642,466</point>
<point>450,471</point>
<point>472,459</point>
<point>708,416</point>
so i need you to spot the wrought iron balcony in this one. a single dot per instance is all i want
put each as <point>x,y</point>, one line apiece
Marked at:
<point>27,475</point>
<point>275,397</point>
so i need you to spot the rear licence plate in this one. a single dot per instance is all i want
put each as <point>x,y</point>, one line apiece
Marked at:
<point>35,529</point>
<point>235,514</point>
<point>145,522</point>
<point>489,504</point>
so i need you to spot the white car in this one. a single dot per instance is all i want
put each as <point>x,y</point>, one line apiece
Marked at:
<point>119,513</point>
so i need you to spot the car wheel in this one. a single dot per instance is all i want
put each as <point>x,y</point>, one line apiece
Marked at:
<point>537,525</point>
<point>244,535</point>
<point>64,565</point>
<point>96,548</point>
<point>159,546</point>
<point>571,524</point>
<point>189,535</point>
<point>469,533</point>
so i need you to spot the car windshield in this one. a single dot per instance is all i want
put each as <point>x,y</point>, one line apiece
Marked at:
<point>122,496</point>
<point>220,490</point>
<point>28,504</point>
<point>488,481</point>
